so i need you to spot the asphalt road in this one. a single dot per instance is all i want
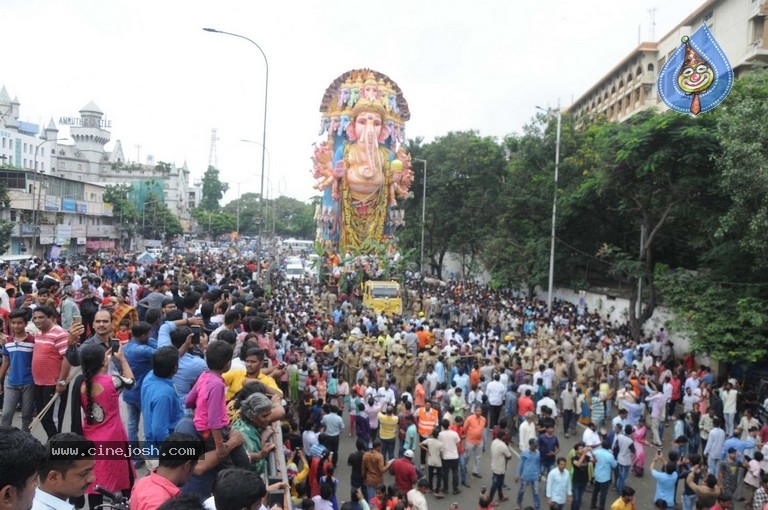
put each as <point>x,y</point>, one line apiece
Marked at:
<point>469,497</point>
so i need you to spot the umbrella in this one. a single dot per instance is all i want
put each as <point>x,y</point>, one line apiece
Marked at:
<point>146,258</point>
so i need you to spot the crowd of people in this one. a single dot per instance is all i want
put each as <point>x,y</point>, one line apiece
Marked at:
<point>209,349</point>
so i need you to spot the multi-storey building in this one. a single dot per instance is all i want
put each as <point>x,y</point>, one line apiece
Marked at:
<point>35,166</point>
<point>630,86</point>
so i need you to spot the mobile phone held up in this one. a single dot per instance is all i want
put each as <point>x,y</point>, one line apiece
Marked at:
<point>114,345</point>
<point>196,335</point>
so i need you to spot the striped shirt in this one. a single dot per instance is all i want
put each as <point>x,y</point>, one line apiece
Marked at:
<point>48,355</point>
<point>20,356</point>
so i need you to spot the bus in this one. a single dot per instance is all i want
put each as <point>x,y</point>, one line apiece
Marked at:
<point>298,245</point>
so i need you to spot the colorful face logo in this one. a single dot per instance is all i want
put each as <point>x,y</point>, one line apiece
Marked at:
<point>696,78</point>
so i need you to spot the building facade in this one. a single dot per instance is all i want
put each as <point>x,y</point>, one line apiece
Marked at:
<point>630,86</point>
<point>30,156</point>
<point>48,212</point>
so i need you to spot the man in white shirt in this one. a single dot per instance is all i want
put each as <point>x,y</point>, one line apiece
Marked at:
<point>450,454</point>
<point>546,400</point>
<point>5,301</point>
<point>416,496</point>
<point>64,479</point>
<point>590,437</point>
<point>495,391</point>
<point>527,431</point>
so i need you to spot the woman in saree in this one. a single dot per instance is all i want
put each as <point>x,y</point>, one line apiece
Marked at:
<point>122,310</point>
<point>583,404</point>
<point>638,436</point>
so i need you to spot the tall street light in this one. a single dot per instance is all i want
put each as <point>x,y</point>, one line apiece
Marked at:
<point>262,212</point>
<point>266,88</point>
<point>423,213</point>
<point>237,216</point>
<point>554,213</point>
<point>35,217</point>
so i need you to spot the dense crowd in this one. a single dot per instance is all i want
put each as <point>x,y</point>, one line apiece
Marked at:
<point>267,375</point>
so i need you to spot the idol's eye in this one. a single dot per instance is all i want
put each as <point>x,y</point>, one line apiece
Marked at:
<point>687,71</point>
<point>702,68</point>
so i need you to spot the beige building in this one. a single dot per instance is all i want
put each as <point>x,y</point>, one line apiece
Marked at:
<point>737,25</point>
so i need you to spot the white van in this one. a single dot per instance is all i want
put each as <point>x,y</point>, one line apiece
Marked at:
<point>294,271</point>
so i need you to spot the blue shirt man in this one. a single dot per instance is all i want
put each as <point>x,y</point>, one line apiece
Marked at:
<point>605,462</point>
<point>529,468</point>
<point>666,483</point>
<point>440,371</point>
<point>738,445</point>
<point>161,407</point>
<point>138,354</point>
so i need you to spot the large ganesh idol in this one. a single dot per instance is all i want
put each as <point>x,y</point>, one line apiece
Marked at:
<point>360,165</point>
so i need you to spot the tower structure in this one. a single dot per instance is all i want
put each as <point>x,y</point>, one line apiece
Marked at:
<point>213,159</point>
<point>90,136</point>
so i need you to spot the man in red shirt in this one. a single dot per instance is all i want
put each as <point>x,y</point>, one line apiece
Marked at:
<point>404,471</point>
<point>163,483</point>
<point>50,368</point>
<point>459,428</point>
<point>525,405</point>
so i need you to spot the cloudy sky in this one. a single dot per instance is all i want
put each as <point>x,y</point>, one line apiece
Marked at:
<point>165,83</point>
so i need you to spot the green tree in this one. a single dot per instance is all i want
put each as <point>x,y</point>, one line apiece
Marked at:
<point>214,224</point>
<point>158,221</point>
<point>5,226</point>
<point>213,190</point>
<point>647,173</point>
<point>123,210</point>
<point>742,122</point>
<point>727,321</point>
<point>518,256</point>
<point>465,171</point>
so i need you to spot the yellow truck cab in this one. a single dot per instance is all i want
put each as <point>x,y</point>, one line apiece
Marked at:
<point>383,296</point>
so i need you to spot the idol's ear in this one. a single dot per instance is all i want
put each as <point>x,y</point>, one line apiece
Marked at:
<point>350,129</point>
<point>384,134</point>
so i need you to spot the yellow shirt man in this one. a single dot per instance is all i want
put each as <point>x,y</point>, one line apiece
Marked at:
<point>235,379</point>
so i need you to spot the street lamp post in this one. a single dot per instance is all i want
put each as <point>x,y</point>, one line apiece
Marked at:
<point>554,214</point>
<point>266,88</point>
<point>35,216</point>
<point>423,213</point>
<point>269,169</point>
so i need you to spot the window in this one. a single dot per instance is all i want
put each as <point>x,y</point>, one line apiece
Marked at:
<point>14,180</point>
<point>13,215</point>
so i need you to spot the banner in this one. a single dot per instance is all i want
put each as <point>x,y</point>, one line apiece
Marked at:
<point>68,205</point>
<point>51,203</point>
<point>79,231</point>
<point>63,234</point>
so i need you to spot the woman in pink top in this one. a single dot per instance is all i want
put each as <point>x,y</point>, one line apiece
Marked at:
<point>100,404</point>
